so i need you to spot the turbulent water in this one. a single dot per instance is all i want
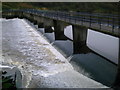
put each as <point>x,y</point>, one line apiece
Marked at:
<point>90,64</point>
<point>41,65</point>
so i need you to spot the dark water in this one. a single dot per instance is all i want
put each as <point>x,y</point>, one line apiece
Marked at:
<point>89,64</point>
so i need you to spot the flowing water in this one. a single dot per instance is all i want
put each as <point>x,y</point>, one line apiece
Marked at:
<point>90,64</point>
<point>40,64</point>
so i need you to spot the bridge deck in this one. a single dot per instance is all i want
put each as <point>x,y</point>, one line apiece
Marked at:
<point>101,26</point>
<point>106,23</point>
<point>41,63</point>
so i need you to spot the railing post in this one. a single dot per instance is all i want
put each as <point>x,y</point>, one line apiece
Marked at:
<point>108,20</point>
<point>99,21</point>
<point>82,20</point>
<point>65,17</point>
<point>75,19</point>
<point>113,25</point>
<point>90,20</point>
<point>57,15</point>
<point>68,17</point>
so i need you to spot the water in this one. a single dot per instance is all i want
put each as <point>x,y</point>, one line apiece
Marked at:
<point>95,67</point>
<point>90,64</point>
<point>64,46</point>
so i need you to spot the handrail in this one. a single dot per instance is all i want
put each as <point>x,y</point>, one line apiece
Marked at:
<point>99,18</point>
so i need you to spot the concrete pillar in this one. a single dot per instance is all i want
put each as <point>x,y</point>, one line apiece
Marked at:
<point>48,29</point>
<point>29,16</point>
<point>9,15</point>
<point>32,19</point>
<point>40,25</point>
<point>25,15</point>
<point>48,23</point>
<point>79,38</point>
<point>21,15</point>
<point>35,22</point>
<point>16,14</point>
<point>40,19</point>
<point>35,17</point>
<point>59,30</point>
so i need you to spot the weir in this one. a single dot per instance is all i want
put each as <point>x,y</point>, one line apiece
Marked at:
<point>79,31</point>
<point>47,22</point>
<point>45,67</point>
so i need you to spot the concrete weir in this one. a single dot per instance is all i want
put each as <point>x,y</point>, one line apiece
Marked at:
<point>41,65</point>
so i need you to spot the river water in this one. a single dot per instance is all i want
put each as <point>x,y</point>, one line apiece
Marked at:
<point>90,64</point>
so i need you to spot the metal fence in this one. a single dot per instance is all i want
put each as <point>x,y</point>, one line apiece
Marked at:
<point>100,19</point>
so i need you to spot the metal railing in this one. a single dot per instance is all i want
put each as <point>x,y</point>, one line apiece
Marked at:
<point>99,19</point>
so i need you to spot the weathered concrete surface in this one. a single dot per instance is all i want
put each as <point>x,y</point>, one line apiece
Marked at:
<point>59,30</point>
<point>79,38</point>
<point>41,65</point>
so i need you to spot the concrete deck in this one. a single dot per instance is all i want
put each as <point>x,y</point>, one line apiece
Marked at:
<point>41,65</point>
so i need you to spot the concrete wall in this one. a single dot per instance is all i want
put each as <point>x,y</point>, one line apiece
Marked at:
<point>105,45</point>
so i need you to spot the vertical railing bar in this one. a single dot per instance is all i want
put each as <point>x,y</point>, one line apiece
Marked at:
<point>108,20</point>
<point>69,16</point>
<point>113,24</point>
<point>82,20</point>
<point>99,22</point>
<point>90,21</point>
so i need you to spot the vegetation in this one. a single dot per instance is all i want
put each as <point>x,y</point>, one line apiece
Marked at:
<point>7,81</point>
<point>97,7</point>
